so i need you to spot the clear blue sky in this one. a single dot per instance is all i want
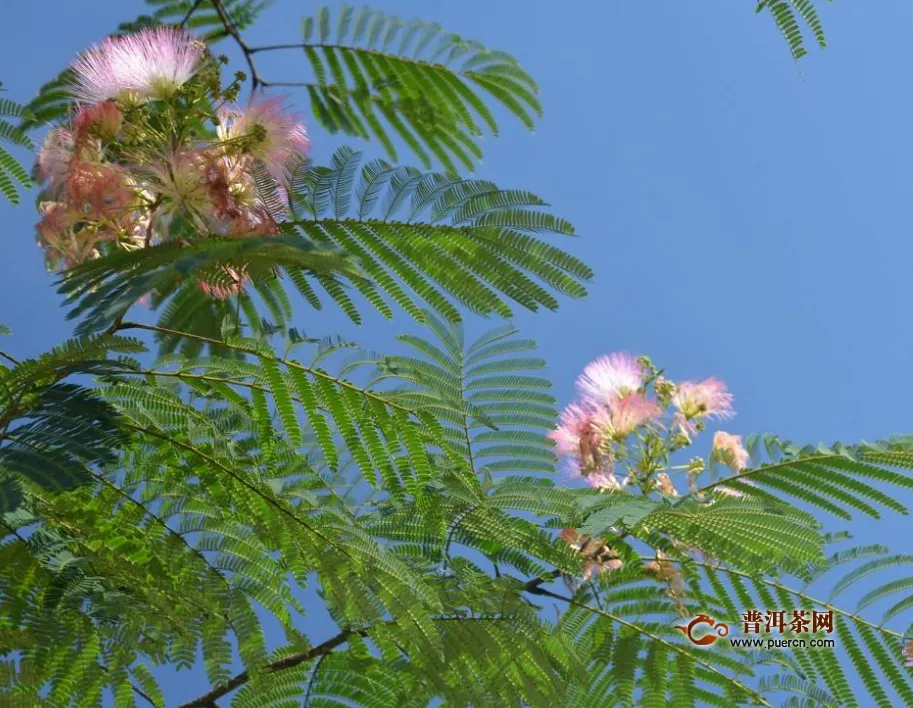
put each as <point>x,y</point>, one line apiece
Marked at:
<point>744,220</point>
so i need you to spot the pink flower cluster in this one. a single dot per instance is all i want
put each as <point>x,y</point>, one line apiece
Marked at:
<point>114,177</point>
<point>92,202</point>
<point>611,408</point>
<point>615,405</point>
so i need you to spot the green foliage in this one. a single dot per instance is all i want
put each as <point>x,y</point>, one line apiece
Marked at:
<point>837,479</point>
<point>53,432</point>
<point>248,468</point>
<point>250,478</point>
<point>213,495</point>
<point>787,15</point>
<point>11,171</point>
<point>379,77</point>
<point>869,648</point>
<point>104,289</point>
<point>748,533</point>
<point>418,234</point>
<point>634,657</point>
<point>496,412</point>
<point>219,510</point>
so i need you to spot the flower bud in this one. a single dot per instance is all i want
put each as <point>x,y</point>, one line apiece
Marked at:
<point>664,389</point>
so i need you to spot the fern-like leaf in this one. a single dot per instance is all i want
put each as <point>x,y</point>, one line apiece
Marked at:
<point>380,77</point>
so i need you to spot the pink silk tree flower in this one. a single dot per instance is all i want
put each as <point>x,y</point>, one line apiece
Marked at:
<point>682,429</point>
<point>624,415</point>
<point>54,157</point>
<point>593,568</point>
<point>707,398</point>
<point>571,537</point>
<point>103,120</point>
<point>100,191</point>
<point>598,556</point>
<point>180,179</point>
<point>729,450</point>
<point>150,64</point>
<point>56,237</point>
<point>255,221</point>
<point>276,135</point>
<point>106,201</point>
<point>66,246</point>
<point>67,249</point>
<point>603,481</point>
<point>575,436</point>
<point>590,569</point>
<point>235,207</point>
<point>229,186</point>
<point>609,377</point>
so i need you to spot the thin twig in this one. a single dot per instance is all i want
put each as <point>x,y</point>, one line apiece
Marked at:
<point>453,529</point>
<point>297,84</point>
<point>193,8</point>
<point>161,522</point>
<point>273,47</point>
<point>140,692</point>
<point>229,26</point>
<point>329,45</point>
<point>253,352</point>
<point>307,696</point>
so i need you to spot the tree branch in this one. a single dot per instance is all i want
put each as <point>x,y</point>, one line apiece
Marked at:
<point>9,358</point>
<point>319,651</point>
<point>287,663</point>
